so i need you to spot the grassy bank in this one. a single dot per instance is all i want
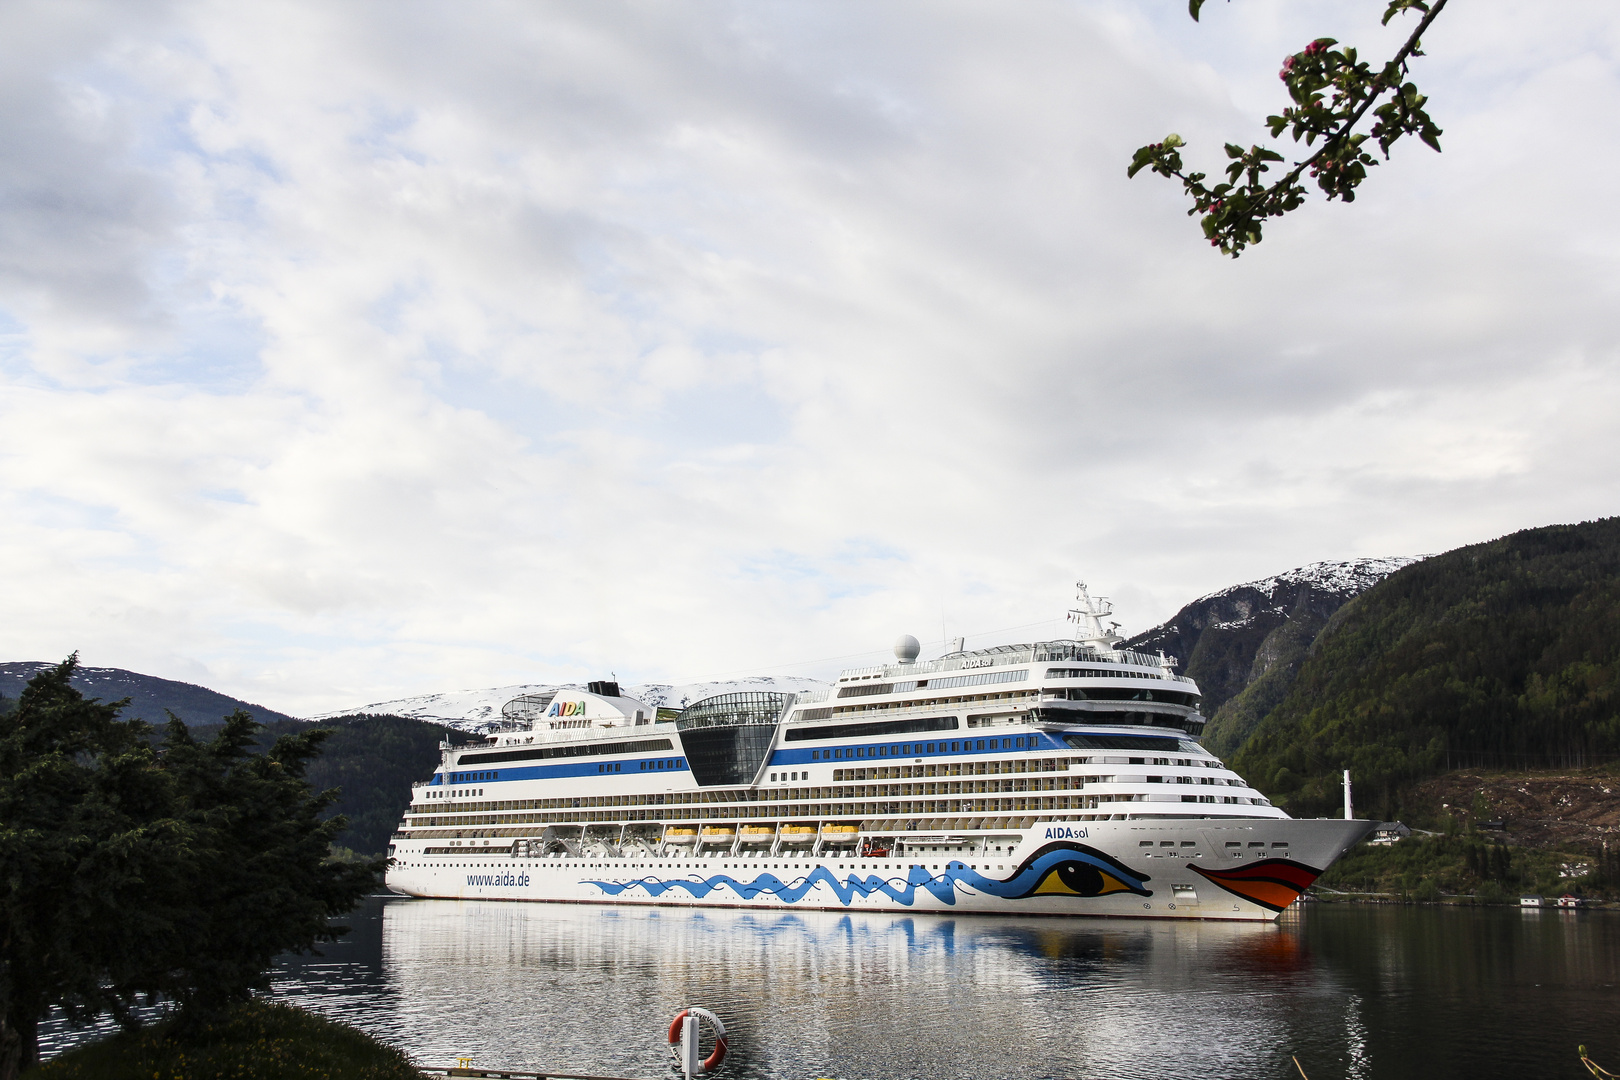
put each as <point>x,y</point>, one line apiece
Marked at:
<point>256,1041</point>
<point>1428,867</point>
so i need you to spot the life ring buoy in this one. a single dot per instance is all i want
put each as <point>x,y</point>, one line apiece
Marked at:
<point>713,1061</point>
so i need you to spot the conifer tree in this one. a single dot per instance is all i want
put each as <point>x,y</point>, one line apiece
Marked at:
<point>85,824</point>
<point>179,871</point>
<point>260,878</point>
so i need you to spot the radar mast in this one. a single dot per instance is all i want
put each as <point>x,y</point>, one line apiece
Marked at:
<point>1087,616</point>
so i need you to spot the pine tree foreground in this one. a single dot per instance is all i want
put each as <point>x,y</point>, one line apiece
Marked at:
<point>167,868</point>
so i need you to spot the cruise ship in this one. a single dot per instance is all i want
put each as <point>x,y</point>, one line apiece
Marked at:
<point>1060,777</point>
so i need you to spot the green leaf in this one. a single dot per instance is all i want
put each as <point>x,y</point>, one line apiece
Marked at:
<point>1194,5</point>
<point>1397,7</point>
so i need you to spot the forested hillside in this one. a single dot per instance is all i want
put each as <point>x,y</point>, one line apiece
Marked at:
<point>374,759</point>
<point>1504,654</point>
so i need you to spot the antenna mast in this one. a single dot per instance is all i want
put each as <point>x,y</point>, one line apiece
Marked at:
<point>1087,616</point>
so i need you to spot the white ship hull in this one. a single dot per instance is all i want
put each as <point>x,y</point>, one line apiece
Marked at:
<point>1189,872</point>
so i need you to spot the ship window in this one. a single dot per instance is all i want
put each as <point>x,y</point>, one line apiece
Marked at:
<point>1139,843</point>
<point>815,755</point>
<point>981,744</point>
<point>773,778</point>
<point>883,751</point>
<point>954,746</point>
<point>930,748</point>
<point>1020,743</point>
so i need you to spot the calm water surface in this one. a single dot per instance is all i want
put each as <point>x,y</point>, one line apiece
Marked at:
<point>1354,991</point>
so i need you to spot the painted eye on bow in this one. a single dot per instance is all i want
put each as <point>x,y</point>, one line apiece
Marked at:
<point>1074,878</point>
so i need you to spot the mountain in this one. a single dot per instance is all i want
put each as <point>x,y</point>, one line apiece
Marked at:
<point>475,710</point>
<point>148,695</point>
<point>1244,644</point>
<point>1503,655</point>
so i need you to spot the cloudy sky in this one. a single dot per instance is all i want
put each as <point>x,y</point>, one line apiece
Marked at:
<point>356,350</point>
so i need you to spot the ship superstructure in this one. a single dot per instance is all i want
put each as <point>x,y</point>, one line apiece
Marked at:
<point>1061,777</point>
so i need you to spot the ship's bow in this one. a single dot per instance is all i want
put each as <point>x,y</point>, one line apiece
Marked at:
<point>1272,864</point>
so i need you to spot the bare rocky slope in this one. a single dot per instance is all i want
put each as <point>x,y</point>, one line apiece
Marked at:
<point>1562,808</point>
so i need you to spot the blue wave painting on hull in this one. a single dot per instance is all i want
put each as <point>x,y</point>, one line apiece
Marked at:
<point>1059,869</point>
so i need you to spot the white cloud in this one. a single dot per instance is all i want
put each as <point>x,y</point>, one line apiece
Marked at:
<point>356,353</point>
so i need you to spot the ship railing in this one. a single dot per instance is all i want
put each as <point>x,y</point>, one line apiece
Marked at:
<point>584,734</point>
<point>1043,653</point>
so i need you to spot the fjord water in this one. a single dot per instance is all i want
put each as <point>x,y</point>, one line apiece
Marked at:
<point>1353,991</point>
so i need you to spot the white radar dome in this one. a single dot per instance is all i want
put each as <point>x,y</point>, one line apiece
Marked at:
<point>907,648</point>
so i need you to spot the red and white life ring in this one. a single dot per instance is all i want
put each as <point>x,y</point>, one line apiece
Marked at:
<point>713,1061</point>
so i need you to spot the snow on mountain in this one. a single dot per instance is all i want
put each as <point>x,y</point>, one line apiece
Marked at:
<point>1221,639</point>
<point>475,710</point>
<point>1351,578</point>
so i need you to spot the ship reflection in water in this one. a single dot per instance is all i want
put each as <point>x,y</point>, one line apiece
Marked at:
<point>1369,992</point>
